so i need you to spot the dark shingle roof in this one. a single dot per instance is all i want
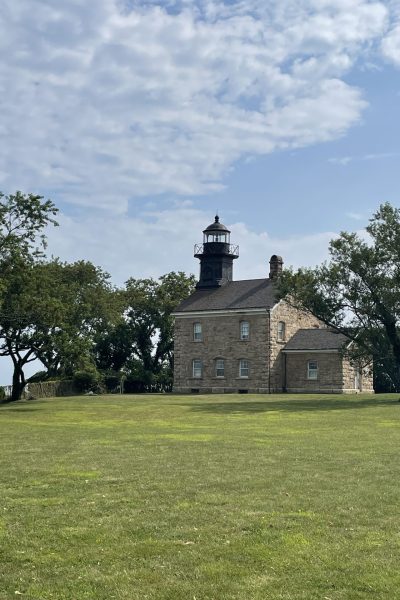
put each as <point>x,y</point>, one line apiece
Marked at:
<point>249,293</point>
<point>316,339</point>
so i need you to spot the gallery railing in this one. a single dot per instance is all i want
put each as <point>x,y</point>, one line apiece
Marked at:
<point>211,247</point>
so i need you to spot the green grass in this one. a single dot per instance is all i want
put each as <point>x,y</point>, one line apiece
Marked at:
<point>200,498</point>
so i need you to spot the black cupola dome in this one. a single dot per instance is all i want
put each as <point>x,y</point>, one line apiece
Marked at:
<point>216,226</point>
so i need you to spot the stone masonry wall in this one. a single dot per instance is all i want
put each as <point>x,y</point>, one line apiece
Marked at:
<point>349,377</point>
<point>335,374</point>
<point>294,320</point>
<point>221,339</point>
<point>330,372</point>
<point>367,380</point>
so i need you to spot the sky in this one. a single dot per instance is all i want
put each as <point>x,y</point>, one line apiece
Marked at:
<point>142,118</point>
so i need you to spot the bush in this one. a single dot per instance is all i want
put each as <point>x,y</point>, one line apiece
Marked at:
<point>163,381</point>
<point>38,377</point>
<point>112,381</point>
<point>87,381</point>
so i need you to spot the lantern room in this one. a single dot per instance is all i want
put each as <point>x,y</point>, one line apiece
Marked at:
<point>216,232</point>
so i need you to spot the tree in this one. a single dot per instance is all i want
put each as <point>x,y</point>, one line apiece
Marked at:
<point>50,311</point>
<point>358,291</point>
<point>142,343</point>
<point>114,346</point>
<point>23,218</point>
<point>24,305</point>
<point>86,304</point>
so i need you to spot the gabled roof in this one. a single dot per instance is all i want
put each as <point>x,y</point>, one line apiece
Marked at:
<point>248,293</point>
<point>316,339</point>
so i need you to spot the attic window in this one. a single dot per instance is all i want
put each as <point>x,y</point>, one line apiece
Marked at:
<point>281,331</point>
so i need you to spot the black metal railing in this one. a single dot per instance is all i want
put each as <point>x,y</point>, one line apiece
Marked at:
<point>232,249</point>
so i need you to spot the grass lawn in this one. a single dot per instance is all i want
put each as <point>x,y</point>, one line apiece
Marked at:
<point>200,498</point>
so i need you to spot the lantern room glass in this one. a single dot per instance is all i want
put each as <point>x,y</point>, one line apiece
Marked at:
<point>216,236</point>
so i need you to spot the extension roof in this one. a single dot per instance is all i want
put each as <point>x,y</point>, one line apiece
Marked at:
<point>248,293</point>
<point>316,339</point>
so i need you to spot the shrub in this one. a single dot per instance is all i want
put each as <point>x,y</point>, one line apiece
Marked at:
<point>112,381</point>
<point>38,377</point>
<point>87,381</point>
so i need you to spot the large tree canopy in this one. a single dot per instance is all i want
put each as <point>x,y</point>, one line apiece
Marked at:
<point>358,291</point>
<point>81,302</point>
<point>141,344</point>
<point>50,311</point>
<point>23,219</point>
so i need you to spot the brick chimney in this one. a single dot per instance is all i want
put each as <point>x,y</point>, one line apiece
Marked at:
<point>275,266</point>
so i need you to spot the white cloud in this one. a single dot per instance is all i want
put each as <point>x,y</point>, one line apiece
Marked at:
<point>102,104</point>
<point>391,45</point>
<point>345,160</point>
<point>157,242</point>
<point>356,216</point>
<point>341,160</point>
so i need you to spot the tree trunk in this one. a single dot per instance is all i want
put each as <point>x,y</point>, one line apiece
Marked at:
<point>397,382</point>
<point>18,383</point>
<point>394,340</point>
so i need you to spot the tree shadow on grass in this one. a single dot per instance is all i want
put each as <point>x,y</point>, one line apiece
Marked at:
<point>292,405</point>
<point>18,406</point>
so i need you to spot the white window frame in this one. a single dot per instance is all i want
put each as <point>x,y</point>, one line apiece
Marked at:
<point>281,331</point>
<point>244,330</point>
<point>218,367</point>
<point>197,368</point>
<point>244,368</point>
<point>312,370</point>
<point>197,332</point>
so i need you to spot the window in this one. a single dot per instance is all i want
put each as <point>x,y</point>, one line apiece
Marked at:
<point>197,332</point>
<point>312,369</point>
<point>220,367</point>
<point>216,237</point>
<point>244,330</point>
<point>281,331</point>
<point>197,368</point>
<point>243,367</point>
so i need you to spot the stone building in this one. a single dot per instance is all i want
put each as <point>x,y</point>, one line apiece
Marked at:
<point>235,336</point>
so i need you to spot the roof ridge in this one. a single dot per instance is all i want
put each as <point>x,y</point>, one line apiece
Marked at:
<point>254,279</point>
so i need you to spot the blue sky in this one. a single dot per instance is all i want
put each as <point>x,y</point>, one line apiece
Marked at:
<point>140,118</point>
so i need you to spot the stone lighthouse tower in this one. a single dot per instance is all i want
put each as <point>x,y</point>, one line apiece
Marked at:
<point>216,255</point>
